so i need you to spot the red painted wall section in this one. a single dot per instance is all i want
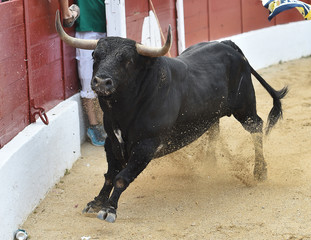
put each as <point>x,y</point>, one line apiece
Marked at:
<point>137,10</point>
<point>70,73</point>
<point>52,64</point>
<point>35,66</point>
<point>14,103</point>
<point>218,19</point>
<point>254,16</point>
<point>196,21</point>
<point>225,18</point>
<point>44,54</point>
<point>70,76</point>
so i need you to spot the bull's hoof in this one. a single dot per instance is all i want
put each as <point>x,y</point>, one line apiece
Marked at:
<point>108,214</point>
<point>89,210</point>
<point>260,175</point>
<point>93,207</point>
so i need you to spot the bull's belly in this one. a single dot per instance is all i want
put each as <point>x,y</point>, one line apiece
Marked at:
<point>182,135</point>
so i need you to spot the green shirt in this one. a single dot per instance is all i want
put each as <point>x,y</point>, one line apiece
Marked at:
<point>92,16</point>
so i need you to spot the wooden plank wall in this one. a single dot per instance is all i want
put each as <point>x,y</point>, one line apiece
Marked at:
<point>36,68</point>
<point>14,104</point>
<point>207,20</point>
<point>49,81</point>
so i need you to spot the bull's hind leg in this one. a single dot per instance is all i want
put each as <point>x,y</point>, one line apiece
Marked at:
<point>260,168</point>
<point>254,125</point>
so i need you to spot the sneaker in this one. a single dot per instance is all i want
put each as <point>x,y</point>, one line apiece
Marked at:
<point>97,135</point>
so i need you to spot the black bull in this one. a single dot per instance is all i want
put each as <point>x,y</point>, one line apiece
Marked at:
<point>154,105</point>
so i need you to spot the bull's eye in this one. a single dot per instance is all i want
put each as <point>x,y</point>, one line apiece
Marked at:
<point>94,61</point>
<point>94,57</point>
<point>119,57</point>
<point>128,63</point>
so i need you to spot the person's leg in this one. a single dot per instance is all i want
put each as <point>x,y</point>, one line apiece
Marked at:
<point>85,70</point>
<point>88,106</point>
<point>95,132</point>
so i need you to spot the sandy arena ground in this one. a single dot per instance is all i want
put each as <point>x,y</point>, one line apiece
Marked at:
<point>180,197</point>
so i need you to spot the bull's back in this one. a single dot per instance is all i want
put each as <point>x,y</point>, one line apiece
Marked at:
<point>204,51</point>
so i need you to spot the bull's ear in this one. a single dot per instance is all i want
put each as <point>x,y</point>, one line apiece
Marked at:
<point>153,51</point>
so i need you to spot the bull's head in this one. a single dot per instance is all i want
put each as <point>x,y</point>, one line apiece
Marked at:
<point>113,57</point>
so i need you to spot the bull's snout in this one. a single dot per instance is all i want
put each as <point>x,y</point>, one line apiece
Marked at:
<point>103,86</point>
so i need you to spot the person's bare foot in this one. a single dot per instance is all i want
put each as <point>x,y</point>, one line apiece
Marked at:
<point>68,21</point>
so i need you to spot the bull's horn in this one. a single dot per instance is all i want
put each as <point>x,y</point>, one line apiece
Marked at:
<point>153,51</point>
<point>74,42</point>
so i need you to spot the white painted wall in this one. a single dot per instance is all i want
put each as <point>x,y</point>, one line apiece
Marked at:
<point>151,35</point>
<point>35,160</point>
<point>268,46</point>
<point>116,21</point>
<point>180,26</point>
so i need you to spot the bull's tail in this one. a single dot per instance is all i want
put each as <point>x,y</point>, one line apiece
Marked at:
<point>276,111</point>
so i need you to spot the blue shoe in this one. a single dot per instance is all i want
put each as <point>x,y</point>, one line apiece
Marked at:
<point>97,135</point>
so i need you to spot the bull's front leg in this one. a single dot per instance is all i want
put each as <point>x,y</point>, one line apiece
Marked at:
<point>141,154</point>
<point>114,167</point>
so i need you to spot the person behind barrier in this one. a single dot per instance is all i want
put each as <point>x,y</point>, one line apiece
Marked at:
<point>90,19</point>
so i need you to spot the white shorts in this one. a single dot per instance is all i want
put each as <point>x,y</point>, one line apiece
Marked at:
<point>85,64</point>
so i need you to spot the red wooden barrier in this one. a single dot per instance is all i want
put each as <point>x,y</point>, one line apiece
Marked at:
<point>44,53</point>
<point>225,18</point>
<point>254,16</point>
<point>136,11</point>
<point>196,21</point>
<point>14,104</point>
<point>213,19</point>
<point>35,68</point>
